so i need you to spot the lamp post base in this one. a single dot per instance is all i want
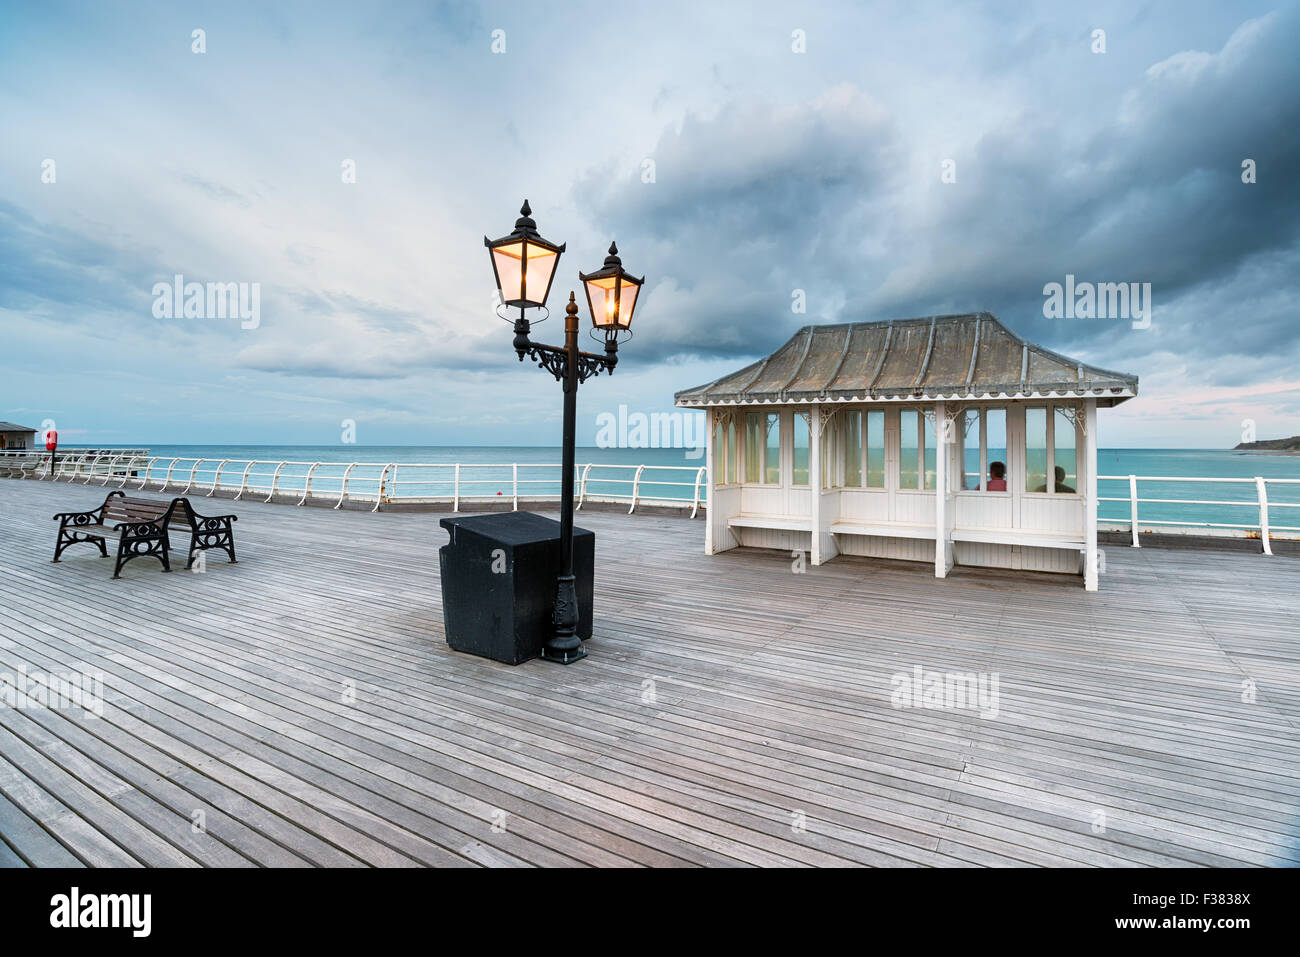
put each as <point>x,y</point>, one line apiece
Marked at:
<point>563,657</point>
<point>564,647</point>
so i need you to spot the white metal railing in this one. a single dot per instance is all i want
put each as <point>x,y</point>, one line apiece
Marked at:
<point>373,483</point>
<point>84,464</point>
<point>458,483</point>
<point>1260,505</point>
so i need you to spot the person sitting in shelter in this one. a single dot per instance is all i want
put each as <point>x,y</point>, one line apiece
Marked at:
<point>1060,482</point>
<point>997,477</point>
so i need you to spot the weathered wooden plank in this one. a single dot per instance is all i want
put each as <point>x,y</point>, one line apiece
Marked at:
<point>723,696</point>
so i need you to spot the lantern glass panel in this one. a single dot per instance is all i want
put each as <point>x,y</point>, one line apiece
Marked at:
<point>541,265</point>
<point>600,295</point>
<point>627,302</point>
<point>509,262</point>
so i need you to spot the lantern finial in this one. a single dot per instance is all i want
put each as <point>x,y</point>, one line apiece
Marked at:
<point>525,223</point>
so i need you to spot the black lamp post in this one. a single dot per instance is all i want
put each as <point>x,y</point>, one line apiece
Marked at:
<point>524,265</point>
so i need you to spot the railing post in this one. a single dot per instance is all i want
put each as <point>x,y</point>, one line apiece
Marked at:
<point>275,480</point>
<point>1133,508</point>
<point>243,483</point>
<point>168,479</point>
<point>148,467</point>
<point>1263,514</point>
<point>582,485</point>
<point>306,485</point>
<point>108,475</point>
<point>193,472</point>
<point>216,479</point>
<point>695,505</point>
<point>90,472</point>
<point>343,493</point>
<point>455,489</point>
<point>126,472</point>
<point>379,495</point>
<point>515,467</point>
<point>636,487</point>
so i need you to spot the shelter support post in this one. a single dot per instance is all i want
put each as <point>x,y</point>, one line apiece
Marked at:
<point>815,484</point>
<point>943,439</point>
<point>710,464</point>
<point>1090,496</point>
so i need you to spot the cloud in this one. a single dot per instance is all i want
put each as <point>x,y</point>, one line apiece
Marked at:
<point>773,173</point>
<point>68,274</point>
<point>829,196</point>
<point>747,206</point>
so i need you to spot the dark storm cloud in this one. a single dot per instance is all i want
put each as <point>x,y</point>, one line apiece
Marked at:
<point>744,208</point>
<point>760,200</point>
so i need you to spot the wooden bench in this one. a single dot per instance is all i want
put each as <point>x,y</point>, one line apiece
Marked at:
<point>775,523</point>
<point>882,529</point>
<point>141,525</point>
<point>1031,538</point>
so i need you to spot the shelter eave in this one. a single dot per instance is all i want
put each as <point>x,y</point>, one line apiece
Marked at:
<point>1106,395</point>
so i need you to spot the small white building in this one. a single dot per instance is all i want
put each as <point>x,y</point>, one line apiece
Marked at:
<point>16,437</point>
<point>925,439</point>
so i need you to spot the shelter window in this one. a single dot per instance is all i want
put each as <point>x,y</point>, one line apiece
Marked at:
<point>772,451</point>
<point>909,433</point>
<point>853,448</point>
<point>994,443</point>
<point>1036,449</point>
<point>733,465</point>
<point>725,467</point>
<point>754,447</point>
<point>928,463</point>
<point>762,448</point>
<point>801,448</point>
<point>719,453</point>
<point>972,469</point>
<point>875,442</point>
<point>984,449</point>
<point>1065,453</point>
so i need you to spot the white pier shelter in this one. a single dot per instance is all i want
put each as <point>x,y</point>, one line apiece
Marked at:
<point>946,439</point>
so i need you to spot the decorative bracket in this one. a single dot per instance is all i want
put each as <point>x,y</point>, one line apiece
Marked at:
<point>823,418</point>
<point>556,361</point>
<point>1076,417</point>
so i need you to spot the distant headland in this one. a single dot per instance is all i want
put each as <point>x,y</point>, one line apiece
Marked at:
<point>1290,446</point>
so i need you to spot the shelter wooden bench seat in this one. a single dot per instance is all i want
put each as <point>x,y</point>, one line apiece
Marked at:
<point>883,529</point>
<point>789,523</point>
<point>141,526</point>
<point>1019,536</point>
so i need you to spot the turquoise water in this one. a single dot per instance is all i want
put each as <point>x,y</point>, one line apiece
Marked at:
<point>539,474</point>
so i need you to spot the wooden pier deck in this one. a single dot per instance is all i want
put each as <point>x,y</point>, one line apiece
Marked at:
<point>731,712</point>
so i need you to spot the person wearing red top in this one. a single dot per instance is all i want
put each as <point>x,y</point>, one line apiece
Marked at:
<point>997,478</point>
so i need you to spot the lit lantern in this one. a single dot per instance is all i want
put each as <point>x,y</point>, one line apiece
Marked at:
<point>611,294</point>
<point>524,263</point>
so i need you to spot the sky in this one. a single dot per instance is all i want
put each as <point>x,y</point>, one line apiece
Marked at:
<point>869,161</point>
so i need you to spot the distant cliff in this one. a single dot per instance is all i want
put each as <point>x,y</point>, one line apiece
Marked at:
<point>1271,445</point>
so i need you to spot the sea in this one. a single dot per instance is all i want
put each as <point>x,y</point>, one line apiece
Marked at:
<point>670,474</point>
